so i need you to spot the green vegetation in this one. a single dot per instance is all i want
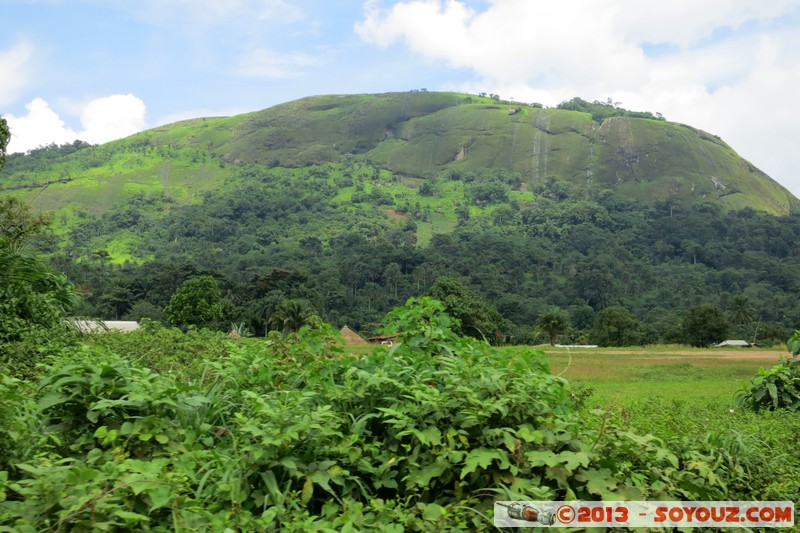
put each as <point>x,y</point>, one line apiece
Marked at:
<point>683,395</point>
<point>162,430</point>
<point>703,325</point>
<point>421,135</point>
<point>34,298</point>
<point>553,322</point>
<point>603,110</point>
<point>5,135</point>
<point>777,387</point>
<point>475,316</point>
<point>195,303</point>
<point>615,326</point>
<point>291,315</point>
<point>367,200</point>
<point>344,238</point>
<point>268,235</point>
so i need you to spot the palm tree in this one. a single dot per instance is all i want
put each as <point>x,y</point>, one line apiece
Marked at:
<point>291,315</point>
<point>31,291</point>
<point>740,312</point>
<point>554,322</point>
<point>21,271</point>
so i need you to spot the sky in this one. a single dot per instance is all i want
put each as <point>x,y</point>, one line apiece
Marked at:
<point>98,70</point>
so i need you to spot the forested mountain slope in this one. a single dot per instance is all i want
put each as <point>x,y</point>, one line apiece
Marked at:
<point>354,203</point>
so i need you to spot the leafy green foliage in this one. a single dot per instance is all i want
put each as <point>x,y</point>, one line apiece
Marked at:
<point>553,322</point>
<point>616,326</point>
<point>603,110</point>
<point>195,303</point>
<point>793,344</point>
<point>704,325</point>
<point>756,440</point>
<point>289,433</point>
<point>269,233</point>
<point>777,387</point>
<point>476,317</point>
<point>415,134</point>
<point>18,223</point>
<point>291,315</point>
<point>34,298</point>
<point>32,295</point>
<point>5,136</point>
<point>165,350</point>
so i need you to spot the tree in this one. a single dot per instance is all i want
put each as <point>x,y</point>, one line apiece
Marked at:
<point>196,302</point>
<point>553,322</point>
<point>478,318</point>
<point>616,326</point>
<point>5,135</point>
<point>291,315</point>
<point>17,223</point>
<point>740,312</point>
<point>391,275</point>
<point>32,294</point>
<point>703,325</point>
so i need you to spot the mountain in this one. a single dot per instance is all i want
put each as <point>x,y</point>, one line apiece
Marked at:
<point>352,204</point>
<point>419,135</point>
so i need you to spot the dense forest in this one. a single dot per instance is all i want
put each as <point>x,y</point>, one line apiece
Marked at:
<point>345,241</point>
<point>586,223</point>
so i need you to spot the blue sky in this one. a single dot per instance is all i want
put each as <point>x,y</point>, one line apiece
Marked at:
<point>102,69</point>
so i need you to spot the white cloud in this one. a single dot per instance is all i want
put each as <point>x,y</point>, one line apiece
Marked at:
<point>15,69</point>
<point>264,63</point>
<point>730,67</point>
<point>112,117</point>
<point>40,126</point>
<point>102,120</point>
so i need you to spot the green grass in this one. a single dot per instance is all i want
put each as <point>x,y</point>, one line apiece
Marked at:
<point>617,379</point>
<point>119,249</point>
<point>678,393</point>
<point>438,223</point>
<point>674,392</point>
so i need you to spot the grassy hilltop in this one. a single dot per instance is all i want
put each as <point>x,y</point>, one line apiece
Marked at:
<point>416,135</point>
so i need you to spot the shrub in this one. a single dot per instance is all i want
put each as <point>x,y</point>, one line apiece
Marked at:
<point>777,387</point>
<point>291,434</point>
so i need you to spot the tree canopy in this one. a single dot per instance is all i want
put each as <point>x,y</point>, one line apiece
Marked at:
<point>703,325</point>
<point>477,317</point>
<point>616,326</point>
<point>5,135</point>
<point>195,303</point>
<point>553,322</point>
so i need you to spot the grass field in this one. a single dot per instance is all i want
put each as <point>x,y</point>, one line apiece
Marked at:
<point>621,378</point>
<point>618,377</point>
<point>677,393</point>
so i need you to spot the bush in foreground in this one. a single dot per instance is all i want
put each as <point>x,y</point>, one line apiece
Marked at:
<point>290,433</point>
<point>777,387</point>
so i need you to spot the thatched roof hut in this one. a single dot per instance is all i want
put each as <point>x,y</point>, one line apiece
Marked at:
<point>351,337</point>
